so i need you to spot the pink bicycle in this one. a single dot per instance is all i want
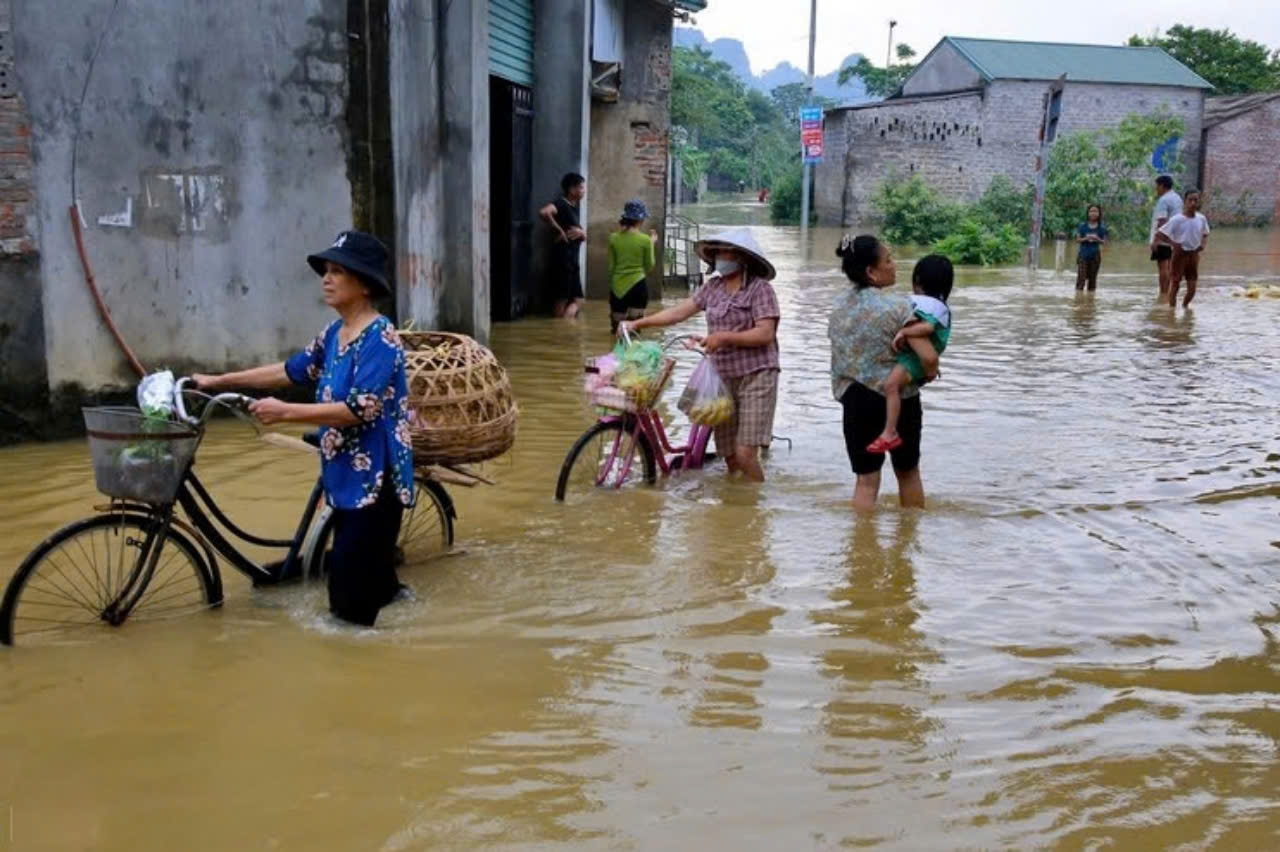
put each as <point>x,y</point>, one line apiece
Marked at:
<point>629,444</point>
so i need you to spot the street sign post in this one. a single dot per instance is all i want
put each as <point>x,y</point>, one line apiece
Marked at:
<point>1048,132</point>
<point>811,134</point>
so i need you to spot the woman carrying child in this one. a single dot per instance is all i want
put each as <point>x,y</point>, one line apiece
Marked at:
<point>1091,236</point>
<point>864,322</point>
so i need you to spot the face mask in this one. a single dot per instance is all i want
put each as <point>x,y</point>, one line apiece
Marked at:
<point>727,267</point>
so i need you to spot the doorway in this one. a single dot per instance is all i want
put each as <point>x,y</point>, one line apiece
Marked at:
<point>511,193</point>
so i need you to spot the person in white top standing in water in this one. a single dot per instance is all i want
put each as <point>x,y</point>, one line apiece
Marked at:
<point>1186,234</point>
<point>1168,205</point>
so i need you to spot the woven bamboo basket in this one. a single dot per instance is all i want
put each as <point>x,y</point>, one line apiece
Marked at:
<point>461,399</point>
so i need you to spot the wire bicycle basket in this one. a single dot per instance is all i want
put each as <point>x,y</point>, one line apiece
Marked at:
<point>136,457</point>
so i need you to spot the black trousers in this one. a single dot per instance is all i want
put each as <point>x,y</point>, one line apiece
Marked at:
<point>361,565</point>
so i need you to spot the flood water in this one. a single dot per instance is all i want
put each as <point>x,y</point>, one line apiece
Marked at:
<point>1075,647</point>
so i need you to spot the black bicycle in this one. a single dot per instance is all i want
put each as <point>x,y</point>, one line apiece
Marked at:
<point>152,552</point>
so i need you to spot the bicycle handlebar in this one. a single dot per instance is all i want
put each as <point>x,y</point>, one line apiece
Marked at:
<point>229,400</point>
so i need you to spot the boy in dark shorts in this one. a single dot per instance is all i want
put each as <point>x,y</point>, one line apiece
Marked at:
<point>919,343</point>
<point>1168,205</point>
<point>564,217</point>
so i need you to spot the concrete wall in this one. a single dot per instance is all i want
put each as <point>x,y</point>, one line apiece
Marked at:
<point>561,115</point>
<point>944,70</point>
<point>959,143</point>
<point>629,141</point>
<point>210,160</point>
<point>1242,172</point>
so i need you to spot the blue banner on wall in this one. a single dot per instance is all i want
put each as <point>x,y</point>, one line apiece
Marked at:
<point>1164,156</point>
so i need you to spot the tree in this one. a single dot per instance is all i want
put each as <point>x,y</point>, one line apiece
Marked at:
<point>1233,65</point>
<point>790,98</point>
<point>881,82</point>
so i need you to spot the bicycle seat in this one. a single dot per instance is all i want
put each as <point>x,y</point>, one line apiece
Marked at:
<point>312,438</point>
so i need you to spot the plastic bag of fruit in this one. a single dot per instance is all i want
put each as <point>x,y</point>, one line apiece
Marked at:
<point>706,400</point>
<point>639,367</point>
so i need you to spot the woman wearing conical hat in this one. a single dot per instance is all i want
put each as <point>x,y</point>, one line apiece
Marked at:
<point>742,341</point>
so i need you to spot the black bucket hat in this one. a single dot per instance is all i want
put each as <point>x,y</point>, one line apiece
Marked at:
<point>360,253</point>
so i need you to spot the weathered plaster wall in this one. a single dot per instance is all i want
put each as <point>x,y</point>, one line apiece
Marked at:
<point>945,70</point>
<point>1242,168</point>
<point>210,159</point>
<point>629,141</point>
<point>959,143</point>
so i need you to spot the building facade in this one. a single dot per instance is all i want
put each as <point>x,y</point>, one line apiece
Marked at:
<point>1241,172</point>
<point>206,149</point>
<point>972,110</point>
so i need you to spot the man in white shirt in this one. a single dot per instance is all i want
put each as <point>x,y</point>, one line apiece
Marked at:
<point>1186,234</point>
<point>1168,205</point>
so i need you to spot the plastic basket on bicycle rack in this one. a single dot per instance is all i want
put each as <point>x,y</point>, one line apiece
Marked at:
<point>136,457</point>
<point>634,399</point>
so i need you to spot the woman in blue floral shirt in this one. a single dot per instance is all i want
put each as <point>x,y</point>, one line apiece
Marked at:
<point>362,407</point>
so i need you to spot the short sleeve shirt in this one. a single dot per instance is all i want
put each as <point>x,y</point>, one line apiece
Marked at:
<point>1088,251</point>
<point>368,375</point>
<point>862,325</point>
<point>630,259</point>
<point>1167,206</point>
<point>1187,232</point>
<point>740,311</point>
<point>567,216</point>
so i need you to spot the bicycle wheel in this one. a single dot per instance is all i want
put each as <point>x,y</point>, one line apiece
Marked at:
<point>596,460</point>
<point>70,583</point>
<point>426,530</point>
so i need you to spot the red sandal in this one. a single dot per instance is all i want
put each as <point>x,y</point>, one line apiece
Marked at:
<point>880,446</point>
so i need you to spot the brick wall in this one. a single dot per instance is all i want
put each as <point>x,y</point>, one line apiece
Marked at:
<point>1242,172</point>
<point>15,154</point>
<point>959,143</point>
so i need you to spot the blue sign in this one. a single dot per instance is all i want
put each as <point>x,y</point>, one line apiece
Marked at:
<point>1164,156</point>
<point>811,134</point>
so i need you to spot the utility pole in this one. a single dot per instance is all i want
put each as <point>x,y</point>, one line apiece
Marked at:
<point>807,175</point>
<point>888,57</point>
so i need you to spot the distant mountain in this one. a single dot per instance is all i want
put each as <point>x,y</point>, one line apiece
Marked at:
<point>731,52</point>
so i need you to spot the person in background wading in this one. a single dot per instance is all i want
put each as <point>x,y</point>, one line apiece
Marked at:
<point>1091,236</point>
<point>742,341</point>
<point>631,256</point>
<point>1168,205</point>
<point>564,216</point>
<point>362,407</point>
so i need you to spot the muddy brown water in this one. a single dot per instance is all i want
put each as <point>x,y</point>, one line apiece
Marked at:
<point>1074,647</point>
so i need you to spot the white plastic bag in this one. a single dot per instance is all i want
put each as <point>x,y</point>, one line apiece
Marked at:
<point>155,394</point>
<point>706,400</point>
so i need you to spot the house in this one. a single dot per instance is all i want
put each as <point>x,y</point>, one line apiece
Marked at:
<point>972,109</point>
<point>209,147</point>
<point>1241,174</point>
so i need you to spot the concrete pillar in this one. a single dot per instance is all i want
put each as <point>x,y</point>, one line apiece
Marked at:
<point>464,99</point>
<point>415,144</point>
<point>561,112</point>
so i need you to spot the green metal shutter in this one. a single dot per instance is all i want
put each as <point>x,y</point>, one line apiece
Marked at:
<point>511,40</point>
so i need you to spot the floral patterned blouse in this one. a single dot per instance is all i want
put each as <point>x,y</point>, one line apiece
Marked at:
<point>863,323</point>
<point>368,375</point>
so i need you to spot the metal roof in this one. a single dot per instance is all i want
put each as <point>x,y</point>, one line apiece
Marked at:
<point>1218,110</point>
<point>1082,63</point>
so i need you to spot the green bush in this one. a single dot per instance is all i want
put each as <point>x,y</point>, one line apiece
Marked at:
<point>1005,204</point>
<point>912,213</point>
<point>784,203</point>
<point>975,243</point>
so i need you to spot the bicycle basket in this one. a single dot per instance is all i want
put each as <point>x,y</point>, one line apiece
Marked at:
<point>136,457</point>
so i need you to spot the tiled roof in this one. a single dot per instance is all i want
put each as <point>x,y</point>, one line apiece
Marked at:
<point>1082,63</point>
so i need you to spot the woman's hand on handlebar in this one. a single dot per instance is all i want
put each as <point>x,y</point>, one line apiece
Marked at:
<point>205,382</point>
<point>627,328</point>
<point>270,410</point>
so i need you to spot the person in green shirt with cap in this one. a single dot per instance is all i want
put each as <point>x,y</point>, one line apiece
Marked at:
<point>631,256</point>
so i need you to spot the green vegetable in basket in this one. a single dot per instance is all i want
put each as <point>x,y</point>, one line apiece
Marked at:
<point>639,366</point>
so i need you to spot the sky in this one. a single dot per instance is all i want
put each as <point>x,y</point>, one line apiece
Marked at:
<point>777,30</point>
